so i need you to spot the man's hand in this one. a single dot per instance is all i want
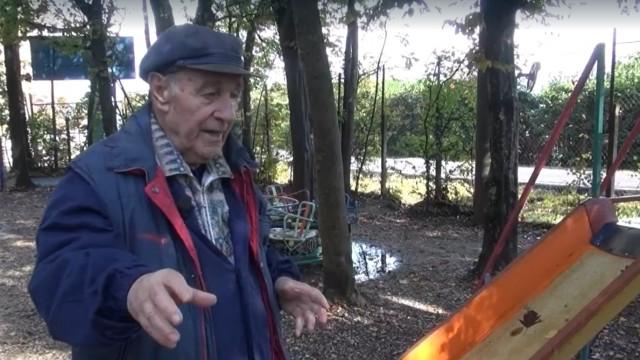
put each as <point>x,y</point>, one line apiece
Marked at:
<point>305,303</point>
<point>153,301</point>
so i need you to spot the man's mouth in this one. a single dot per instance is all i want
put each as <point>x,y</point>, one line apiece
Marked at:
<point>217,134</point>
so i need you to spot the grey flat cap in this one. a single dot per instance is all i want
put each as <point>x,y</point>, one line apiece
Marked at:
<point>195,47</point>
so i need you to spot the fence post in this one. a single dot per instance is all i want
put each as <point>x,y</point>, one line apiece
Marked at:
<point>1,164</point>
<point>598,116</point>
<point>612,121</point>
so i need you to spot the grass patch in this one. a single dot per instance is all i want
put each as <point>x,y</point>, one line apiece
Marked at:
<point>544,206</point>
<point>550,206</point>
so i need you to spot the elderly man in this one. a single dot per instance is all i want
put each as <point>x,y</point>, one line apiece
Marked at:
<point>154,244</point>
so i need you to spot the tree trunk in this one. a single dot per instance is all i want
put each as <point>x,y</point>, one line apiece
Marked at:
<point>93,132</point>
<point>162,15</point>
<point>365,145</point>
<point>298,98</point>
<point>482,154</point>
<point>204,14</point>
<point>339,282</point>
<point>54,126</point>
<point>99,62</point>
<point>267,134</point>
<point>500,86</point>
<point>2,172</point>
<point>383,140</point>
<point>98,49</point>
<point>17,116</point>
<point>68,140</point>
<point>249,43</point>
<point>439,135</point>
<point>145,16</point>
<point>350,91</point>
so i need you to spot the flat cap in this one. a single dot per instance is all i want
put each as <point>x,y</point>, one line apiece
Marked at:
<point>195,47</point>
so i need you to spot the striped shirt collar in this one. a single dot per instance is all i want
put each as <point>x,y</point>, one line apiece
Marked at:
<point>172,162</point>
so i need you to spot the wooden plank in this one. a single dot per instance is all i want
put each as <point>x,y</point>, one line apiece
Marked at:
<point>593,317</point>
<point>501,300</point>
<point>556,307</point>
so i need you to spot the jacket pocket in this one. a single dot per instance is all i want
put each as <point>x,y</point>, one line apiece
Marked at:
<point>122,352</point>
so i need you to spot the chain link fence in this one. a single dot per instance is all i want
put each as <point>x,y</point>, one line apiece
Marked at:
<point>574,150</point>
<point>53,147</point>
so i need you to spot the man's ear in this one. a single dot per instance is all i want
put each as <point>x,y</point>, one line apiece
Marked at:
<point>159,91</point>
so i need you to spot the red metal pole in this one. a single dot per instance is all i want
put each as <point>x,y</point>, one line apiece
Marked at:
<point>621,154</point>
<point>540,163</point>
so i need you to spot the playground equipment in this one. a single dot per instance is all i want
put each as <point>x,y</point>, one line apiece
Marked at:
<point>279,204</point>
<point>552,300</point>
<point>296,238</point>
<point>294,227</point>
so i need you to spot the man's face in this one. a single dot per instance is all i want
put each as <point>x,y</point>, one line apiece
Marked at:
<point>199,112</point>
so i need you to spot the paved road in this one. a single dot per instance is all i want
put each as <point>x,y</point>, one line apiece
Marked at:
<point>624,180</point>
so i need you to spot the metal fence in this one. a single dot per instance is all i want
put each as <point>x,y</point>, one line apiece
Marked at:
<point>570,163</point>
<point>53,144</point>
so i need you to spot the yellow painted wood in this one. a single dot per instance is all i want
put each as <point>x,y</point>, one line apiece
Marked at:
<point>610,310</point>
<point>556,305</point>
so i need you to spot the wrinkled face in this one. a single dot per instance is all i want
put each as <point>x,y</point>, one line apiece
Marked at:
<point>196,109</point>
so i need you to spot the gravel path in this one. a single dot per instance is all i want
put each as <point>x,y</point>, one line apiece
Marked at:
<point>434,255</point>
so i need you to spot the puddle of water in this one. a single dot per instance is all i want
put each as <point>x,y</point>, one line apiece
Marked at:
<point>369,261</point>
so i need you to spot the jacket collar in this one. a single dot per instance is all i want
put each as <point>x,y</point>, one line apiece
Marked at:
<point>132,147</point>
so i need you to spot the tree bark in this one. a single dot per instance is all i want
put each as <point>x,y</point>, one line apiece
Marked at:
<point>54,126</point>
<point>298,98</point>
<point>2,172</point>
<point>499,85</point>
<point>249,44</point>
<point>145,16</point>
<point>438,138</point>
<point>93,131</point>
<point>99,63</point>
<point>204,14</point>
<point>339,279</point>
<point>365,145</point>
<point>383,140</point>
<point>162,15</point>
<point>350,91</point>
<point>267,134</point>
<point>17,116</point>
<point>482,154</point>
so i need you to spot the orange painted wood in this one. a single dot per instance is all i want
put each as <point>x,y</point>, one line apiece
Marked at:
<point>589,311</point>
<point>500,300</point>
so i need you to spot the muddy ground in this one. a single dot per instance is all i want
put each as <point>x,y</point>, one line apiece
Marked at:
<point>434,255</point>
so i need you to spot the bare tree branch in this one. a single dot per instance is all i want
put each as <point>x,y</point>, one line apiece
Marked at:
<point>83,6</point>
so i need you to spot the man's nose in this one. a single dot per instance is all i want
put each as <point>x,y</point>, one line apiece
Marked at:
<point>227,109</point>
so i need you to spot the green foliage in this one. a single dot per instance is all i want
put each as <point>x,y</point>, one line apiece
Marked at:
<point>538,114</point>
<point>17,18</point>
<point>4,106</point>
<point>547,206</point>
<point>406,105</point>
<point>41,139</point>
<point>279,131</point>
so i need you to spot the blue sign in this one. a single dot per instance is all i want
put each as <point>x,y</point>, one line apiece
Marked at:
<point>52,61</point>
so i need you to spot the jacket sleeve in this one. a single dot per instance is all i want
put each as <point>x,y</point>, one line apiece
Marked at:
<point>83,270</point>
<point>279,264</point>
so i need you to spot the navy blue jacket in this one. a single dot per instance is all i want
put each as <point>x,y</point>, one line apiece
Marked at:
<point>114,217</point>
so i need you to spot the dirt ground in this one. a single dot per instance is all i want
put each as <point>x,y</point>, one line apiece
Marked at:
<point>433,255</point>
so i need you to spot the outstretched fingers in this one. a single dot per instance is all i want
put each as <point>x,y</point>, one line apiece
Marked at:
<point>153,301</point>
